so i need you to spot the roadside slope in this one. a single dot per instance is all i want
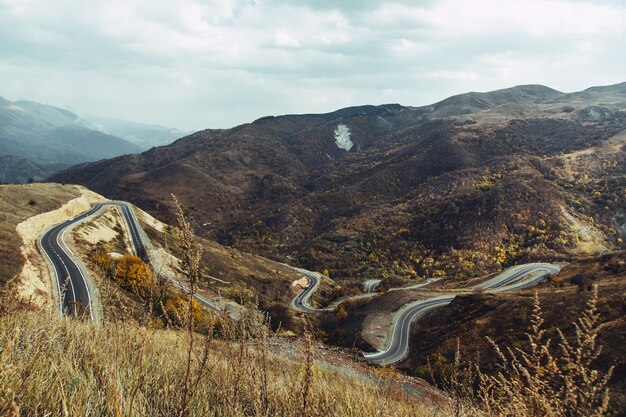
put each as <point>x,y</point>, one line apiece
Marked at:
<point>505,318</point>
<point>25,211</point>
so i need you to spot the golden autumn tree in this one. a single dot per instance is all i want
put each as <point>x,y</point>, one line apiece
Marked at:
<point>134,274</point>
<point>177,309</point>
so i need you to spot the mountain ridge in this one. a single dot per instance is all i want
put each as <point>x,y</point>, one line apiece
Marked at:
<point>44,139</point>
<point>282,187</point>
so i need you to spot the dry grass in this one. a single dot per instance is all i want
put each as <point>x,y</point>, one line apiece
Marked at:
<point>554,376</point>
<point>56,366</point>
<point>17,203</point>
<point>67,367</point>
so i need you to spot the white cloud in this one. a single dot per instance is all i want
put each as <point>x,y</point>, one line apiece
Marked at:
<point>479,17</point>
<point>283,38</point>
<point>217,63</point>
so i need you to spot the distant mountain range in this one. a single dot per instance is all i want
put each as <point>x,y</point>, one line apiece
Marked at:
<point>37,140</point>
<point>143,135</point>
<point>461,187</point>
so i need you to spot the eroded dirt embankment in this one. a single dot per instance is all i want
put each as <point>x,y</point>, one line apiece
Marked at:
<point>35,281</point>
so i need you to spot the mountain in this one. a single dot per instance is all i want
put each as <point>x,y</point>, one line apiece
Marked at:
<point>462,187</point>
<point>143,135</point>
<point>472,102</point>
<point>50,138</point>
<point>55,116</point>
<point>14,169</point>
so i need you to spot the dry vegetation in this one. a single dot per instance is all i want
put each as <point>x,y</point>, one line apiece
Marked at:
<point>176,362</point>
<point>17,203</point>
<point>59,366</point>
<point>506,318</point>
<point>53,366</point>
<point>555,375</point>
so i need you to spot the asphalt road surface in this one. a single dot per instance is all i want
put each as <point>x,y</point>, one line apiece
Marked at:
<point>371,284</point>
<point>75,298</point>
<point>301,301</point>
<point>74,295</point>
<point>514,278</point>
<point>398,348</point>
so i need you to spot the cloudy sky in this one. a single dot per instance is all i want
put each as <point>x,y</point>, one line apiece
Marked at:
<point>194,64</point>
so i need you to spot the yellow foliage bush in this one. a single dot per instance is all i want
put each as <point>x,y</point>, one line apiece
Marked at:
<point>101,258</point>
<point>134,274</point>
<point>341,312</point>
<point>177,309</point>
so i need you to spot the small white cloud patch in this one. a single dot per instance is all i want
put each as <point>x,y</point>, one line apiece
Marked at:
<point>342,137</point>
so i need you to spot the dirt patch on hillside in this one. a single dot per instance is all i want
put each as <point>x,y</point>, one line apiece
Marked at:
<point>104,228</point>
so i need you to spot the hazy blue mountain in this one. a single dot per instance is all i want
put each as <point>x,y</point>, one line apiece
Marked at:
<point>53,115</point>
<point>141,134</point>
<point>14,169</point>
<point>50,138</point>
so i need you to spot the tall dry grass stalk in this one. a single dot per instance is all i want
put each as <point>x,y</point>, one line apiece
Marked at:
<point>190,266</point>
<point>540,382</point>
<point>307,381</point>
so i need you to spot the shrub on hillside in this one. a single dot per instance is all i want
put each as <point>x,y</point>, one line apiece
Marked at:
<point>177,310</point>
<point>103,260</point>
<point>279,316</point>
<point>134,275</point>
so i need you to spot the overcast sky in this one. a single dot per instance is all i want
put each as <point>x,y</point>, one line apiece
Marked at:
<point>195,64</point>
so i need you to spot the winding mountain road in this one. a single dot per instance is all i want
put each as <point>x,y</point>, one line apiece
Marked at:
<point>401,327</point>
<point>72,282</point>
<point>302,300</point>
<point>514,278</point>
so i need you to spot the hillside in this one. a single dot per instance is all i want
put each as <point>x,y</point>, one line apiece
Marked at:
<point>475,317</point>
<point>463,187</point>
<point>18,203</point>
<point>14,169</point>
<point>506,318</point>
<point>133,361</point>
<point>121,368</point>
<point>228,274</point>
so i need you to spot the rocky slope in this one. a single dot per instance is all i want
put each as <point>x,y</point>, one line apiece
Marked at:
<point>462,187</point>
